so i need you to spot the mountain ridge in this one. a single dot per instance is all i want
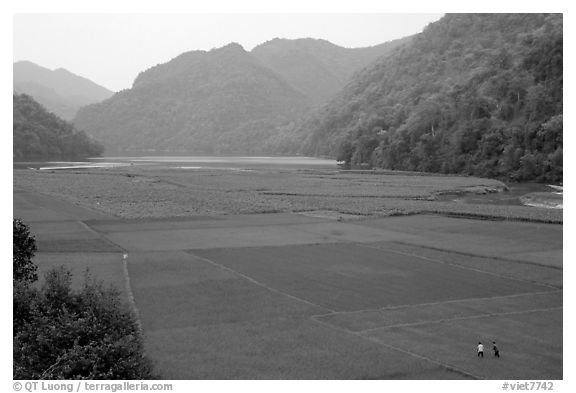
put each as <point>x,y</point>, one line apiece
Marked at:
<point>198,100</point>
<point>225,100</point>
<point>60,91</point>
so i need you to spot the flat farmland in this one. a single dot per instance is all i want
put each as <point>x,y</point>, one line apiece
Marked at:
<point>325,289</point>
<point>257,311</point>
<point>204,322</point>
<point>530,343</point>
<point>350,277</point>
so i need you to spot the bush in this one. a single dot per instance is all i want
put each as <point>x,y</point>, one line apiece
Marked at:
<point>62,334</point>
<point>23,249</point>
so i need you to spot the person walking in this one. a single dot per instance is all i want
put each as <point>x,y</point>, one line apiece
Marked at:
<point>480,350</point>
<point>495,349</point>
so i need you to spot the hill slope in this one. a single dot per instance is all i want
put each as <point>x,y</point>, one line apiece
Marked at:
<point>60,91</point>
<point>226,100</point>
<point>213,101</point>
<point>40,135</point>
<point>318,68</point>
<point>474,93</point>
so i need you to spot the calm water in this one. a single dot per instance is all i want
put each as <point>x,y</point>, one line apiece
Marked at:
<point>237,162</point>
<point>188,162</point>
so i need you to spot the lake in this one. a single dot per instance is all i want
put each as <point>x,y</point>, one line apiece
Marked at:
<point>188,162</point>
<point>239,162</point>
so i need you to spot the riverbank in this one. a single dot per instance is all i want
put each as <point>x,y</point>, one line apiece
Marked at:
<point>156,191</point>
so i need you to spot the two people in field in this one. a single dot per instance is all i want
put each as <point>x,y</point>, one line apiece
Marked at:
<point>480,348</point>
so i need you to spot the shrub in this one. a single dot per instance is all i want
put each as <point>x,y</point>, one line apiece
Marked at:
<point>87,334</point>
<point>23,249</point>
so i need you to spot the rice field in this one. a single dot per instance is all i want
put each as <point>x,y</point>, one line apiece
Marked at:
<point>316,274</point>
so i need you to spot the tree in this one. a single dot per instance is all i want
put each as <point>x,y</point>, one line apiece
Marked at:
<point>23,250</point>
<point>39,134</point>
<point>345,152</point>
<point>88,334</point>
<point>477,94</point>
<point>62,334</point>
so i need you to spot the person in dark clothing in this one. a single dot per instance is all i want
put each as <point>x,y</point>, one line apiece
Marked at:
<point>495,349</point>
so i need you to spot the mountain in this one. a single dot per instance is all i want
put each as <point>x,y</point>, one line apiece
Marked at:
<point>60,91</point>
<point>477,94</point>
<point>216,101</point>
<point>226,100</point>
<point>40,135</point>
<point>316,67</point>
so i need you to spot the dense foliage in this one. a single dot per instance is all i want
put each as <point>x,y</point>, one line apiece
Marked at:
<point>226,100</point>
<point>38,134</point>
<point>478,94</point>
<point>23,250</point>
<point>191,103</point>
<point>62,334</point>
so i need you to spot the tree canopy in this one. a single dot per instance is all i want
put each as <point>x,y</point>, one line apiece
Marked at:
<point>39,134</point>
<point>59,333</point>
<point>478,94</point>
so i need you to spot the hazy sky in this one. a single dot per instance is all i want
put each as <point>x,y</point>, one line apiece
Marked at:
<point>111,49</point>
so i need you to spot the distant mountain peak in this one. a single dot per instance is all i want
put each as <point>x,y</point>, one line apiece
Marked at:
<point>232,51</point>
<point>233,46</point>
<point>316,67</point>
<point>27,63</point>
<point>64,71</point>
<point>59,90</point>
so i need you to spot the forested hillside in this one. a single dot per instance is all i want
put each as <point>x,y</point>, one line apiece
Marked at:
<point>59,91</point>
<point>41,135</point>
<point>476,94</point>
<point>216,101</point>
<point>226,100</point>
<point>318,68</point>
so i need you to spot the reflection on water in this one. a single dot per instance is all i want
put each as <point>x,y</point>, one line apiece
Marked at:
<point>59,165</point>
<point>229,161</point>
<point>235,163</point>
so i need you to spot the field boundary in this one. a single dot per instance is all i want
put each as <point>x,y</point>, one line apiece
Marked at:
<point>364,335</point>
<point>372,246</point>
<point>488,217</point>
<point>489,315</point>
<point>438,303</point>
<point>250,279</point>
<point>468,254</point>
<point>317,318</point>
<point>100,235</point>
<point>130,294</point>
<point>404,351</point>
